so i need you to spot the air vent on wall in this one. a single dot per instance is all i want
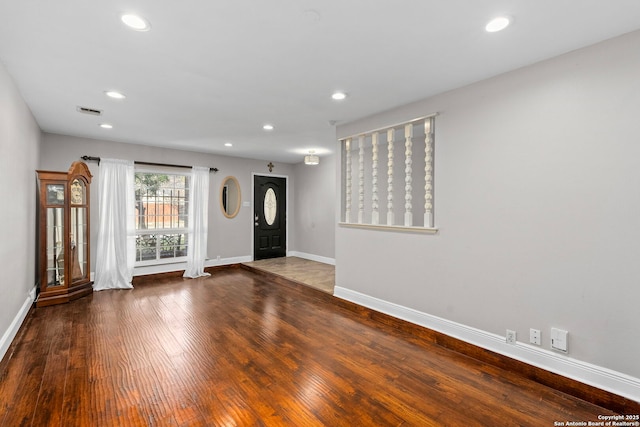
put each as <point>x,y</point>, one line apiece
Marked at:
<point>91,111</point>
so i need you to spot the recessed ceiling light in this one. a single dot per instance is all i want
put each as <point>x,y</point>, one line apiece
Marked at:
<point>498,24</point>
<point>106,126</point>
<point>135,22</point>
<point>228,144</point>
<point>115,95</point>
<point>339,96</point>
<point>267,127</point>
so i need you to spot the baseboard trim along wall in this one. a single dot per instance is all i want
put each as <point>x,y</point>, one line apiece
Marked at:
<point>312,257</point>
<point>11,333</point>
<point>583,372</point>
<point>227,261</point>
<point>177,266</point>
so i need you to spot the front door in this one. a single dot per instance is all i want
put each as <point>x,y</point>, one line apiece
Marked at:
<point>270,215</point>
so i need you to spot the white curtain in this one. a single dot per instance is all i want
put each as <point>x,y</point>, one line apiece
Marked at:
<point>115,253</point>
<point>198,222</point>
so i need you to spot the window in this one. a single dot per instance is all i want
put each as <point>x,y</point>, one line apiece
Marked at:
<point>161,208</point>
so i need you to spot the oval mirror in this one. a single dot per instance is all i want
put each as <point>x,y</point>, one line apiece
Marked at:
<point>230,196</point>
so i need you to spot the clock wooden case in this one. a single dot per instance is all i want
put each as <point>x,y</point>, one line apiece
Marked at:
<point>63,235</point>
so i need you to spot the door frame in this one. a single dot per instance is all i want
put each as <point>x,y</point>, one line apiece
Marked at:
<point>253,209</point>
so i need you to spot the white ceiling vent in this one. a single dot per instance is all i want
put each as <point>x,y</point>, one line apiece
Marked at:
<point>87,110</point>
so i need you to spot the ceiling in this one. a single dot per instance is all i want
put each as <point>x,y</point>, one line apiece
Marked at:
<point>215,71</point>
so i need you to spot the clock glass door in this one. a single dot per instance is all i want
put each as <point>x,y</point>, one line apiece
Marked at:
<point>55,235</point>
<point>79,247</point>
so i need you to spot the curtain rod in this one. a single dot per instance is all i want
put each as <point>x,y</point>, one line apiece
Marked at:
<point>97,159</point>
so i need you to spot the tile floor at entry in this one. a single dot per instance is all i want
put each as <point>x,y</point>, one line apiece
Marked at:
<point>315,274</point>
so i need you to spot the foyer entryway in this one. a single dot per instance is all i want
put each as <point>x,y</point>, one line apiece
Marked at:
<point>315,274</point>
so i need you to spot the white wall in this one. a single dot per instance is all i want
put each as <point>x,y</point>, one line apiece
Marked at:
<point>19,145</point>
<point>229,238</point>
<point>538,209</point>
<point>315,209</point>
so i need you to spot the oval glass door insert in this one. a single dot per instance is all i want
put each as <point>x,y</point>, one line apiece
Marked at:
<point>270,206</point>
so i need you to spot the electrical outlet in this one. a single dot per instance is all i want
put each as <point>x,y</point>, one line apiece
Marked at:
<point>534,336</point>
<point>511,336</point>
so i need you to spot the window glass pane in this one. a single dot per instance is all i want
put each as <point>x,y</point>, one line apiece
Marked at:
<point>161,204</point>
<point>55,194</point>
<point>173,245</point>
<point>55,246</point>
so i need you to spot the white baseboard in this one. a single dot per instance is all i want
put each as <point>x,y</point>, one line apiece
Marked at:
<point>312,257</point>
<point>11,333</point>
<point>596,376</point>
<point>177,266</point>
<point>227,261</point>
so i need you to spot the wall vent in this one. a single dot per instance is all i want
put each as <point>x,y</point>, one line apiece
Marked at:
<point>87,110</point>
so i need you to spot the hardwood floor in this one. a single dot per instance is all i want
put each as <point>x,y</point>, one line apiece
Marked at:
<point>236,349</point>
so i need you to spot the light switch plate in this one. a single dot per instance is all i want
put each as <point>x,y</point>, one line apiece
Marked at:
<point>559,340</point>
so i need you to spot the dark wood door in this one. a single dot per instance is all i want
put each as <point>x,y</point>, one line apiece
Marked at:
<point>270,215</point>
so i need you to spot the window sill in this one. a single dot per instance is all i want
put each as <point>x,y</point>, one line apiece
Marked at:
<point>381,227</point>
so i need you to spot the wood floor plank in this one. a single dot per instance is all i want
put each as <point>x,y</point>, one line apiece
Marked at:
<point>23,373</point>
<point>49,403</point>
<point>238,349</point>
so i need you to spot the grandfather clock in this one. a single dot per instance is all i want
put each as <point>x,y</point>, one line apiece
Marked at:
<point>63,235</point>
